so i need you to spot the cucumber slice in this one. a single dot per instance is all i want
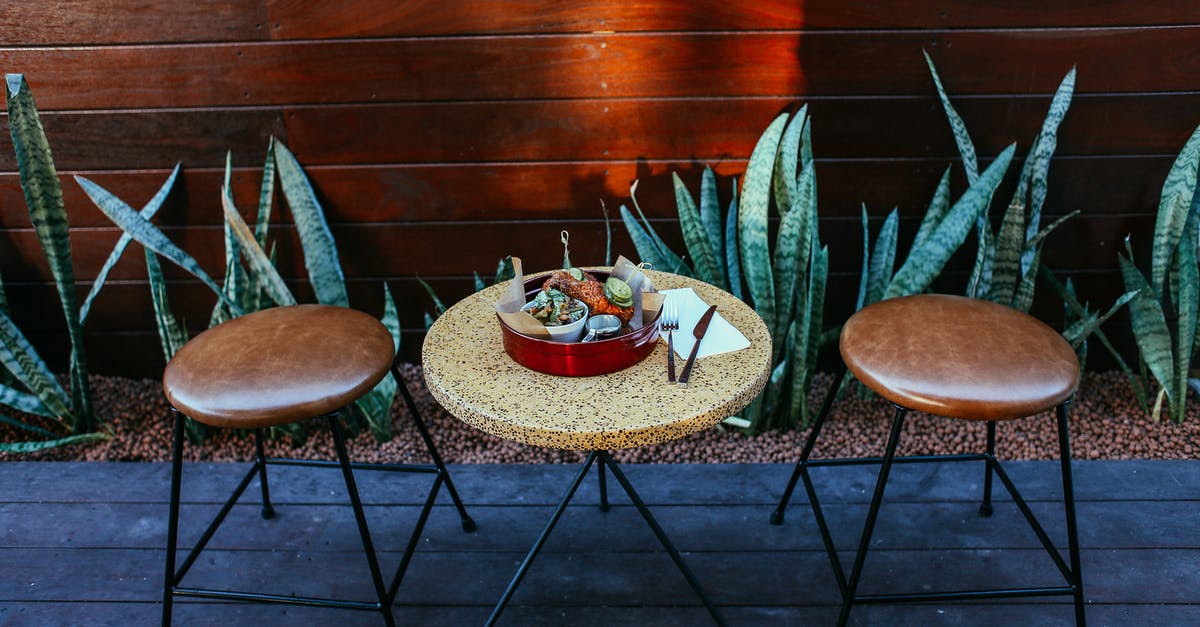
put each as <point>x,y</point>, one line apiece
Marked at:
<point>575,273</point>
<point>618,292</point>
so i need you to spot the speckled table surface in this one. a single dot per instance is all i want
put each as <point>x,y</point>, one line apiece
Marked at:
<point>469,374</point>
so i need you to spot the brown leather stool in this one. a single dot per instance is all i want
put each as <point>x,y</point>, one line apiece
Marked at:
<point>959,358</point>
<point>275,367</point>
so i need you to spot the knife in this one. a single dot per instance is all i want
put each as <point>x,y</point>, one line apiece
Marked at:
<point>699,331</point>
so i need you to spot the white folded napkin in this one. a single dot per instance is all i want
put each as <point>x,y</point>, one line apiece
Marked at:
<point>721,337</point>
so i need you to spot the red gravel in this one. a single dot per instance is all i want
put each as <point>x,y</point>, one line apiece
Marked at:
<point>1106,424</point>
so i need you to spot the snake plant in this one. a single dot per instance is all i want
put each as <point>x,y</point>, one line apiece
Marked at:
<point>28,385</point>
<point>784,280</point>
<point>251,281</point>
<point>1172,294</point>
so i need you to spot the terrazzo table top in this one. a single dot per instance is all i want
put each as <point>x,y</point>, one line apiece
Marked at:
<point>469,374</point>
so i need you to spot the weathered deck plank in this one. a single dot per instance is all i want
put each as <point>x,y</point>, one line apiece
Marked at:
<point>82,543</point>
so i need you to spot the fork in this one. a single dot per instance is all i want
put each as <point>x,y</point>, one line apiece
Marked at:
<point>670,322</point>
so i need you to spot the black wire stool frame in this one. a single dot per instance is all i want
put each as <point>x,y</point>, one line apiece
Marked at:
<point>602,459</point>
<point>385,595</point>
<point>848,586</point>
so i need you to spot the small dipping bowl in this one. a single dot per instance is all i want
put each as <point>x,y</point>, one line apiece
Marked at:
<point>567,332</point>
<point>602,326</point>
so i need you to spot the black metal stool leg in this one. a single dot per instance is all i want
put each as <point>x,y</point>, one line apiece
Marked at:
<point>267,511</point>
<point>809,444</point>
<point>603,484</point>
<point>619,475</point>
<point>339,441</point>
<point>985,508</point>
<point>169,579</point>
<point>468,524</point>
<point>541,540</point>
<point>872,513</point>
<point>1064,447</point>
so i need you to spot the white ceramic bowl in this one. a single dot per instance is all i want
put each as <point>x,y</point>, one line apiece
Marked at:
<point>568,332</point>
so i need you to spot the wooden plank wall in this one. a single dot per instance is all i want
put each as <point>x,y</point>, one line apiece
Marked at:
<point>443,135</point>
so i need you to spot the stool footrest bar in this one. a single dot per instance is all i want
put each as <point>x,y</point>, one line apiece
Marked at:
<point>274,598</point>
<point>324,463</point>
<point>965,595</point>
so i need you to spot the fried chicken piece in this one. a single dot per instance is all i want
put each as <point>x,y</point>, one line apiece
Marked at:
<point>588,290</point>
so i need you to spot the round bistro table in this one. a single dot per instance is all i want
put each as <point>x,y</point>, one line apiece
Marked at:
<point>469,374</point>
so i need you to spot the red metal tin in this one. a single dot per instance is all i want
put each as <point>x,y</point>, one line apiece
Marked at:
<point>578,359</point>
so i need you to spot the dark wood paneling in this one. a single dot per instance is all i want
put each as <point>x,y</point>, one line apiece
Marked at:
<point>74,22</point>
<point>137,140</point>
<point>561,191</point>
<point>296,19</point>
<point>459,248</point>
<point>708,131</point>
<point>605,66</point>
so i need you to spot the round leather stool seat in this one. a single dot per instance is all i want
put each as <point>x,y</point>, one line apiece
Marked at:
<point>278,366</point>
<point>959,357</point>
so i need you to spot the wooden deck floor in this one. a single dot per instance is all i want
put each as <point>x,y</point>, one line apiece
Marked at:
<point>82,544</point>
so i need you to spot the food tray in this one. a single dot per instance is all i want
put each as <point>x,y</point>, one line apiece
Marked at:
<point>578,359</point>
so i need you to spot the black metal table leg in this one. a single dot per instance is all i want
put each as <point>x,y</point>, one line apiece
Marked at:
<point>468,523</point>
<point>619,475</point>
<point>603,484</point>
<point>872,513</point>
<point>809,444</point>
<point>541,540</point>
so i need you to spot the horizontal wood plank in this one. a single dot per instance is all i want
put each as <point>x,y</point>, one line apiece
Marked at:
<point>605,65</point>
<point>563,191</point>
<point>295,19</point>
<point>82,22</point>
<point>711,131</point>
<point>460,248</point>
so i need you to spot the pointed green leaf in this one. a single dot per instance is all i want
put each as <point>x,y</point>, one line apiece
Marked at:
<point>936,211</point>
<point>149,236</point>
<point>752,222</point>
<point>924,265</point>
<point>1173,208</point>
<point>171,334</point>
<point>20,358</point>
<point>24,402</point>
<point>733,265</point>
<point>266,196</point>
<point>710,216</point>
<point>695,238</point>
<point>1187,301</point>
<point>864,278</point>
<point>671,261</point>
<point>1149,325</point>
<point>43,196</point>
<point>320,251</point>
<point>1023,297</point>
<point>1043,150</point>
<point>147,212</point>
<point>376,405</point>
<point>237,285</point>
<point>786,161</point>
<point>646,248</point>
<point>32,447</point>
<point>439,307</point>
<point>980,282</point>
<point>1077,333</point>
<point>1010,243</point>
<point>791,256</point>
<point>262,271</point>
<point>883,258</point>
<point>962,138</point>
